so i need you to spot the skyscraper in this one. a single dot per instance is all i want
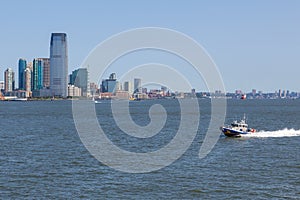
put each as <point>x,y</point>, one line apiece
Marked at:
<point>59,64</point>
<point>80,78</point>
<point>37,74</point>
<point>137,85</point>
<point>22,67</point>
<point>9,80</point>
<point>109,85</point>
<point>46,72</point>
<point>128,87</point>
<point>27,78</point>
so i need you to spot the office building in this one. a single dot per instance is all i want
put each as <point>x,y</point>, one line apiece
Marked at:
<point>27,78</point>
<point>29,65</point>
<point>59,64</point>
<point>74,91</point>
<point>128,87</point>
<point>37,74</point>
<point>22,67</point>
<point>46,72</point>
<point>80,79</point>
<point>109,85</point>
<point>137,85</point>
<point>9,80</point>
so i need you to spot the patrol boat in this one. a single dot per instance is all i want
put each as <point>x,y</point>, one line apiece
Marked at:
<point>237,129</point>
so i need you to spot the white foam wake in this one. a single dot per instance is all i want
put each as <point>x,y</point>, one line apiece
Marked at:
<point>279,133</point>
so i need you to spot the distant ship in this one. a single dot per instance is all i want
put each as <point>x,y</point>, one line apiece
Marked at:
<point>244,96</point>
<point>237,129</point>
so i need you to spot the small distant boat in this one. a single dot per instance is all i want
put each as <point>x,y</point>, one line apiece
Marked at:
<point>237,129</point>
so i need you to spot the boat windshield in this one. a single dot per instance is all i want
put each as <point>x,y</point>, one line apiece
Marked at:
<point>239,125</point>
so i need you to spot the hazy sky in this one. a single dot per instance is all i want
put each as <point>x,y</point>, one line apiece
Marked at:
<point>255,44</point>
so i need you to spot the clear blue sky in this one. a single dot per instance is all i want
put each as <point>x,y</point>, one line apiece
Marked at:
<point>255,44</point>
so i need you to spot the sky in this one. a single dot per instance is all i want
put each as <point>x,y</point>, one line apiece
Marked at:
<point>255,44</point>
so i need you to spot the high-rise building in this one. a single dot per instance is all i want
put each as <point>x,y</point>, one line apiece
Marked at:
<point>279,93</point>
<point>9,80</point>
<point>118,86</point>
<point>27,78</point>
<point>109,85</point>
<point>22,67</point>
<point>80,79</point>
<point>59,64</point>
<point>137,85</point>
<point>46,72</point>
<point>37,74</point>
<point>29,65</point>
<point>128,87</point>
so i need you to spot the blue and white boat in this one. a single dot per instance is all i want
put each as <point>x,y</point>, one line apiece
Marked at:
<point>237,129</point>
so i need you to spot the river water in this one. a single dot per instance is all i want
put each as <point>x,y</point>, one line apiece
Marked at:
<point>42,156</point>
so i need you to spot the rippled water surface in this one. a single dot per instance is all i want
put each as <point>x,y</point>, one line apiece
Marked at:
<point>41,155</point>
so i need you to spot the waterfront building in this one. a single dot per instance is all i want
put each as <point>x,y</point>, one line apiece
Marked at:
<point>9,80</point>
<point>118,86</point>
<point>59,64</point>
<point>74,91</point>
<point>137,85</point>
<point>29,65</point>
<point>109,85</point>
<point>22,66</point>
<point>80,78</point>
<point>128,87</point>
<point>120,94</point>
<point>253,92</point>
<point>94,89</point>
<point>46,72</point>
<point>27,78</point>
<point>279,93</point>
<point>1,86</point>
<point>37,74</point>
<point>284,94</point>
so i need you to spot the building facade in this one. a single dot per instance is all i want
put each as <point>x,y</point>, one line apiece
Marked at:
<point>128,87</point>
<point>59,64</point>
<point>22,66</point>
<point>137,85</point>
<point>27,78</point>
<point>80,78</point>
<point>37,74</point>
<point>109,85</point>
<point>9,80</point>
<point>46,72</point>
<point>74,91</point>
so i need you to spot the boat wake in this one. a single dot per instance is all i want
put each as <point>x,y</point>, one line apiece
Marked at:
<point>279,133</point>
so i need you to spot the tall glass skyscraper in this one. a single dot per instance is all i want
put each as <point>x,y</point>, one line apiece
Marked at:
<point>109,85</point>
<point>59,65</point>
<point>37,74</point>
<point>80,78</point>
<point>137,85</point>
<point>22,67</point>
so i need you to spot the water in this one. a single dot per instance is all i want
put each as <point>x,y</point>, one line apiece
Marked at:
<point>41,155</point>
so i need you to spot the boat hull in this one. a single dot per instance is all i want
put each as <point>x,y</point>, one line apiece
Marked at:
<point>232,133</point>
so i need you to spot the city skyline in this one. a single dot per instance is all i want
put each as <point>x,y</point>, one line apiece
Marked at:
<point>80,78</point>
<point>259,41</point>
